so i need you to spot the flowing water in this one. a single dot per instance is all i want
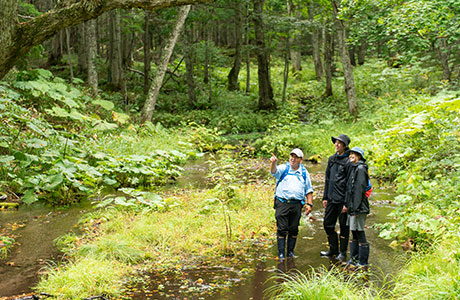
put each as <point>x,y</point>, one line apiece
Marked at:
<point>19,272</point>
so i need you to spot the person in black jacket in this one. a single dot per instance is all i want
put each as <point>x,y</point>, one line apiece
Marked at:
<point>334,199</point>
<point>357,207</point>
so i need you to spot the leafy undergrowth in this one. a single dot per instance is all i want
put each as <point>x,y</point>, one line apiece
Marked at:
<point>59,145</point>
<point>125,239</point>
<point>421,154</point>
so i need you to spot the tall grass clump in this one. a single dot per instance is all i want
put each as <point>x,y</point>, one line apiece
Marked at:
<point>84,278</point>
<point>323,284</point>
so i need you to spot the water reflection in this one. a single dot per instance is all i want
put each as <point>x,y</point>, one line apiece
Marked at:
<point>40,225</point>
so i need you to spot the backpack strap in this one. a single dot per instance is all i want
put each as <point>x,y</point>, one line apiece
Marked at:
<point>304,173</point>
<point>286,171</point>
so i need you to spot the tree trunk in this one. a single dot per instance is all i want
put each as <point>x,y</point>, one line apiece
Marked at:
<point>150,102</point>
<point>82,50</point>
<point>209,71</point>
<point>346,64</point>
<point>315,40</point>
<point>189,69</point>
<point>295,43</point>
<point>147,51</point>
<point>16,39</point>
<point>248,53</point>
<point>351,54</point>
<point>444,55</point>
<point>206,61</point>
<point>328,38</point>
<point>92,51</point>
<point>362,49</point>
<point>69,52</point>
<point>56,51</point>
<point>233,84</point>
<point>286,70</point>
<point>115,58</point>
<point>266,101</point>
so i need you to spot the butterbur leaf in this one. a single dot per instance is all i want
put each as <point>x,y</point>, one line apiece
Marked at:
<point>107,105</point>
<point>6,159</point>
<point>35,128</point>
<point>102,125</point>
<point>58,112</point>
<point>52,182</point>
<point>71,103</point>
<point>120,117</point>
<point>109,181</point>
<point>99,155</point>
<point>36,143</point>
<point>76,115</point>
<point>29,197</point>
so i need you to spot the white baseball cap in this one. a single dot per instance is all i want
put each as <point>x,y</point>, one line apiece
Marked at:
<point>297,152</point>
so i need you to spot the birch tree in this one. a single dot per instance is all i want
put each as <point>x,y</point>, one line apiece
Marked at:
<point>150,102</point>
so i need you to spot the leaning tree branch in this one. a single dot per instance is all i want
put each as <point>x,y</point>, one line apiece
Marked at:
<point>39,29</point>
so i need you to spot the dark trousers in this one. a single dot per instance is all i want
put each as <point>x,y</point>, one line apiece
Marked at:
<point>287,218</point>
<point>334,212</point>
<point>359,236</point>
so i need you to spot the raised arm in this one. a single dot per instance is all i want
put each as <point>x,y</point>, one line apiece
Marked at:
<point>273,161</point>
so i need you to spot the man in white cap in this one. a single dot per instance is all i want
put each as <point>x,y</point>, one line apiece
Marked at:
<point>293,185</point>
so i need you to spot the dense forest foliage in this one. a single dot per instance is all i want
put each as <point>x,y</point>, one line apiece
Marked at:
<point>110,102</point>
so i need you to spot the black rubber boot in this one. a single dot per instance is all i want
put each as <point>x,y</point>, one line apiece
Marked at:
<point>281,246</point>
<point>343,249</point>
<point>333,246</point>
<point>290,246</point>
<point>354,253</point>
<point>363,256</point>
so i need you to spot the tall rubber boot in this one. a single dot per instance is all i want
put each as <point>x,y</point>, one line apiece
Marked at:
<point>290,246</point>
<point>333,245</point>
<point>281,246</point>
<point>343,249</point>
<point>354,253</point>
<point>363,256</point>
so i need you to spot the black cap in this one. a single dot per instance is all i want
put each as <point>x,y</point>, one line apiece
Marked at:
<point>343,138</point>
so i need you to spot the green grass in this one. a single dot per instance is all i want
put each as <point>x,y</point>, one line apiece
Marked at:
<point>432,275</point>
<point>121,241</point>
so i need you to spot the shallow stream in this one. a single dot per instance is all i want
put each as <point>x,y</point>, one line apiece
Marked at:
<point>20,271</point>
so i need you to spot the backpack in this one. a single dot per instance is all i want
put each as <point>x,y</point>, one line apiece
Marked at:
<point>368,188</point>
<point>286,171</point>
